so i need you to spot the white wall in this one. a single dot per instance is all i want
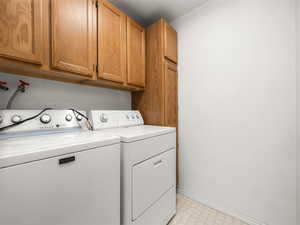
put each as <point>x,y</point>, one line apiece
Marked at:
<point>237,81</point>
<point>45,93</point>
<point>298,110</point>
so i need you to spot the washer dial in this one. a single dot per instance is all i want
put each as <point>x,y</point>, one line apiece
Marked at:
<point>79,117</point>
<point>103,118</point>
<point>68,117</point>
<point>16,119</point>
<point>46,118</point>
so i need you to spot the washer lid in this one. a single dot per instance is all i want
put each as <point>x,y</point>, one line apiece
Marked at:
<point>25,149</point>
<point>131,134</point>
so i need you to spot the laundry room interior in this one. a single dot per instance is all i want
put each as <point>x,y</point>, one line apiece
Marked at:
<point>149,112</point>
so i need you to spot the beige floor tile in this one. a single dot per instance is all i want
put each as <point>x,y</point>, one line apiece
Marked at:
<point>190,212</point>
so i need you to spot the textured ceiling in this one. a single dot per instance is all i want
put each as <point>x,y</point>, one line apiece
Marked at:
<point>148,11</point>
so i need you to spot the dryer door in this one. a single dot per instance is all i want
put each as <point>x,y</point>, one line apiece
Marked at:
<point>151,180</point>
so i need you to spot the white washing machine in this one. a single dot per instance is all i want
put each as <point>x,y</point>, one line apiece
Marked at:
<point>148,166</point>
<point>71,177</point>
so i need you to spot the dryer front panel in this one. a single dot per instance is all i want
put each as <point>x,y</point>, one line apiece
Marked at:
<point>151,179</point>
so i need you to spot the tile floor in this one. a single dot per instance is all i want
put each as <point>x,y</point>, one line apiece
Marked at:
<point>190,212</point>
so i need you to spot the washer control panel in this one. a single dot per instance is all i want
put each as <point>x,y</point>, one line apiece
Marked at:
<point>49,120</point>
<point>103,119</point>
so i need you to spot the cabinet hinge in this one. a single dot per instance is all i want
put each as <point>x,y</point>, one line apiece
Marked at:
<point>97,4</point>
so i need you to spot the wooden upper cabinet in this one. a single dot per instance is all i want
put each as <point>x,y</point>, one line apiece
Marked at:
<point>85,41</point>
<point>170,94</point>
<point>21,30</point>
<point>136,71</point>
<point>170,41</point>
<point>73,30</point>
<point>111,42</point>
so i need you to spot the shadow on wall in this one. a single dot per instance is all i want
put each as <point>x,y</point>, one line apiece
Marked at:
<point>44,93</point>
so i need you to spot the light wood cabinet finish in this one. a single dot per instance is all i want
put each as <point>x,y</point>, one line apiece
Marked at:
<point>170,94</point>
<point>136,71</point>
<point>159,102</point>
<point>73,36</point>
<point>21,30</point>
<point>170,42</point>
<point>61,39</point>
<point>111,42</point>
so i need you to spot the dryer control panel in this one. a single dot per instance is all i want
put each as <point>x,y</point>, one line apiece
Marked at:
<point>103,119</point>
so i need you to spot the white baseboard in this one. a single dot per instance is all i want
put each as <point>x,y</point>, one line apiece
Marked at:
<point>246,219</point>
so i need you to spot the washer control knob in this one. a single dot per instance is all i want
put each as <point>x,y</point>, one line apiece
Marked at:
<point>103,118</point>
<point>79,117</point>
<point>137,116</point>
<point>46,118</point>
<point>127,116</point>
<point>16,119</point>
<point>132,116</point>
<point>68,117</point>
<point>1,119</point>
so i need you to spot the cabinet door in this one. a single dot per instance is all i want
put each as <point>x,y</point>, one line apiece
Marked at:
<point>73,36</point>
<point>170,42</point>
<point>111,42</point>
<point>171,93</point>
<point>135,54</point>
<point>21,30</point>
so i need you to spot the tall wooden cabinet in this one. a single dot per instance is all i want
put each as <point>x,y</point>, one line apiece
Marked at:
<point>170,83</point>
<point>159,102</point>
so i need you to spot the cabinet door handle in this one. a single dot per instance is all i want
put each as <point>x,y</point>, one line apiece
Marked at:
<point>66,160</point>
<point>157,163</point>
